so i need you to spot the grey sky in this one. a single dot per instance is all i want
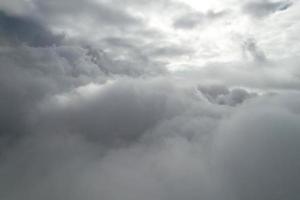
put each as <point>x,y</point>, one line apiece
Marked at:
<point>143,100</point>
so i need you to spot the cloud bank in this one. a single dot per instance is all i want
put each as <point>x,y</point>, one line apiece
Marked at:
<point>120,100</point>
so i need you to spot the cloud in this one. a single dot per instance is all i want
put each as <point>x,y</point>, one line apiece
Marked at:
<point>257,149</point>
<point>145,137</point>
<point>160,156</point>
<point>100,11</point>
<point>132,62</point>
<point>220,94</point>
<point>16,7</point>
<point>119,112</point>
<point>99,114</point>
<point>28,75</point>
<point>169,51</point>
<point>192,147</point>
<point>22,30</point>
<point>194,19</point>
<point>250,47</point>
<point>264,8</point>
<point>265,76</point>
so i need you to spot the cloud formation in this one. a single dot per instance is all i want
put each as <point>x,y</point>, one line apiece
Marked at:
<point>265,7</point>
<point>149,100</point>
<point>16,30</point>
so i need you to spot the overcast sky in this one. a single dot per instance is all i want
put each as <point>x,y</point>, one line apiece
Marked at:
<point>149,100</point>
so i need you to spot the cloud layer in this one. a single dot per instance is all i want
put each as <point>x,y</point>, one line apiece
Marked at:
<point>149,100</point>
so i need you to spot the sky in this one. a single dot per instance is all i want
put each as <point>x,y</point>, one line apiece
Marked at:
<point>143,100</point>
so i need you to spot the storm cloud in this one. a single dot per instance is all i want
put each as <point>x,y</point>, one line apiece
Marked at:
<point>21,30</point>
<point>140,100</point>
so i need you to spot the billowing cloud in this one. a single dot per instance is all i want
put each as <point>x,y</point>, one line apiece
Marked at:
<point>136,100</point>
<point>220,94</point>
<point>257,149</point>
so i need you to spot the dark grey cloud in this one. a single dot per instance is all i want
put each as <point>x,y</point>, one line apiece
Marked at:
<point>66,139</point>
<point>265,7</point>
<point>132,62</point>
<point>63,12</point>
<point>23,30</point>
<point>117,113</point>
<point>185,148</point>
<point>29,75</point>
<point>222,95</point>
<point>86,134</point>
